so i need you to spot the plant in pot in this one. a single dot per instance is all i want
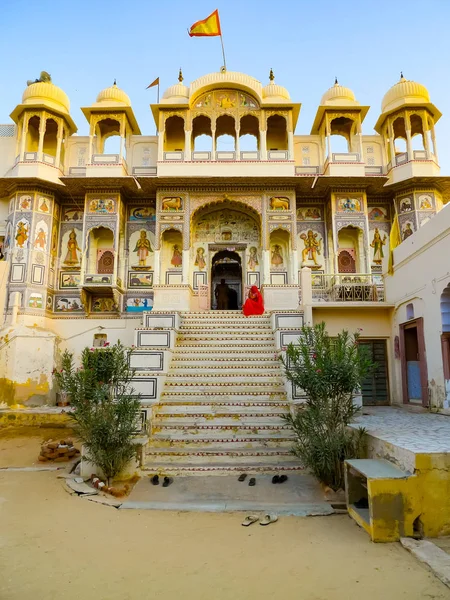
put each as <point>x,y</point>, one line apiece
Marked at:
<point>329,370</point>
<point>62,378</point>
<point>105,407</point>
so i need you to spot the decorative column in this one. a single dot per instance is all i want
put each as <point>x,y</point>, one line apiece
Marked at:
<point>328,134</point>
<point>290,145</point>
<point>266,266</point>
<point>185,267</point>
<point>236,145</point>
<point>42,127</point>
<point>161,136</point>
<point>409,149</point>
<point>157,268</point>
<point>91,142</point>
<point>263,144</point>
<point>433,139</point>
<point>213,139</point>
<point>391,143</point>
<point>187,144</point>
<point>425,136</point>
<point>59,139</point>
<point>295,280</point>
<point>360,144</point>
<point>306,285</point>
<point>23,140</point>
<point>122,138</point>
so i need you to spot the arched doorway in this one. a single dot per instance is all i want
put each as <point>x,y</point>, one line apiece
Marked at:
<point>226,281</point>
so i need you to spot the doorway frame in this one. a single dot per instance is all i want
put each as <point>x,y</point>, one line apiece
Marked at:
<point>240,249</point>
<point>418,325</point>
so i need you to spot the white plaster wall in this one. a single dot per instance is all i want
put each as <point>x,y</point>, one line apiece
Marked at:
<point>421,272</point>
<point>7,149</point>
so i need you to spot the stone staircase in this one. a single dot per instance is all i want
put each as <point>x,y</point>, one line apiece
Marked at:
<point>223,401</point>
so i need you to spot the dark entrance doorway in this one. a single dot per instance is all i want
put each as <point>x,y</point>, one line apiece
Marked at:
<point>226,281</point>
<point>414,365</point>
<point>375,389</point>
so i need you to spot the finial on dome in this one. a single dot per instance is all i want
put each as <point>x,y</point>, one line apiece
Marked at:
<point>180,76</point>
<point>401,76</point>
<point>114,82</point>
<point>336,82</point>
<point>271,75</point>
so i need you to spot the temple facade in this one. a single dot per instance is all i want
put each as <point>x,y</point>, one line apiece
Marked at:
<point>99,231</point>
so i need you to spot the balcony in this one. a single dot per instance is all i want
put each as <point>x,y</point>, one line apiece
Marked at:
<point>94,282</point>
<point>406,165</point>
<point>107,165</point>
<point>36,165</point>
<point>344,164</point>
<point>347,287</point>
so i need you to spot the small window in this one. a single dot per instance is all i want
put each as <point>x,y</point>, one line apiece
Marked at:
<point>305,149</point>
<point>371,160</point>
<point>100,340</point>
<point>410,311</point>
<point>306,161</point>
<point>369,149</point>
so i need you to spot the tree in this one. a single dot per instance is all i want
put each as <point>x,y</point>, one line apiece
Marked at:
<point>329,371</point>
<point>105,407</point>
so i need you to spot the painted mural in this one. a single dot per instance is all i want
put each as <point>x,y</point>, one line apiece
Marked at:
<point>377,243</point>
<point>378,213</point>
<point>44,205</point>
<point>22,233</point>
<point>277,203</point>
<point>104,206</point>
<point>425,201</point>
<point>407,230</point>
<point>405,204</point>
<point>142,213</point>
<point>309,213</point>
<point>140,279</point>
<point>24,203</point>
<point>277,256</point>
<point>141,248</point>
<point>35,301</point>
<point>253,261</point>
<point>69,280</point>
<point>139,304</point>
<point>41,236</point>
<point>349,203</point>
<point>238,227</point>
<point>70,250</point>
<point>104,304</point>
<point>200,261</point>
<point>312,242</point>
<point>73,214</point>
<point>172,204</point>
<point>63,304</point>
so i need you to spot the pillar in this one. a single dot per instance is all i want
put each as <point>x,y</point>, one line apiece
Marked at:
<point>122,138</point>
<point>236,145</point>
<point>290,145</point>
<point>185,267</point>
<point>15,304</point>
<point>187,144</point>
<point>360,144</point>
<point>409,149</point>
<point>157,267</point>
<point>23,140</point>
<point>391,144</point>
<point>266,266</point>
<point>213,139</point>
<point>306,285</point>
<point>328,134</point>
<point>59,138</point>
<point>295,266</point>
<point>425,137</point>
<point>263,145</point>
<point>433,139</point>
<point>42,126</point>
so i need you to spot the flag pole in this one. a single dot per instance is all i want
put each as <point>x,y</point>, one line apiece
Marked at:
<point>223,52</point>
<point>157,132</point>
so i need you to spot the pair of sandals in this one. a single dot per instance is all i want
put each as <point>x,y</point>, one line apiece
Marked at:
<point>251,482</point>
<point>266,520</point>
<point>166,482</point>
<point>279,478</point>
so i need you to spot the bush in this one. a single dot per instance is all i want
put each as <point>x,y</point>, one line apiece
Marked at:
<point>105,408</point>
<point>329,371</point>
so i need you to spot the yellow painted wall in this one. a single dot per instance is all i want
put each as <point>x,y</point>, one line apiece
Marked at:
<point>374,322</point>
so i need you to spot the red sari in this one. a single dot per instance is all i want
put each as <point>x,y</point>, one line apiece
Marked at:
<point>254,304</point>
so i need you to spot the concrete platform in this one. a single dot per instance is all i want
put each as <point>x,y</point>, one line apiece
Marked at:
<point>300,495</point>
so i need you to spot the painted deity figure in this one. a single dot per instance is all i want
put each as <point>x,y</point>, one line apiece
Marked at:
<point>41,239</point>
<point>72,248</point>
<point>143,248</point>
<point>177,257</point>
<point>253,258</point>
<point>22,234</point>
<point>277,256</point>
<point>200,258</point>
<point>312,247</point>
<point>377,245</point>
<point>407,231</point>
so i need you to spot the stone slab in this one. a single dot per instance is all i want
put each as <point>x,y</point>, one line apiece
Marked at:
<point>429,554</point>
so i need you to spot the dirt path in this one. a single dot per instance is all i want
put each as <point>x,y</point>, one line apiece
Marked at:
<point>56,546</point>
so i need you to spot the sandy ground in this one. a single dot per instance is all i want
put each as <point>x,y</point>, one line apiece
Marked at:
<point>53,545</point>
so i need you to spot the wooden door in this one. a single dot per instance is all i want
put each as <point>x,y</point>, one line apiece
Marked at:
<point>375,389</point>
<point>414,363</point>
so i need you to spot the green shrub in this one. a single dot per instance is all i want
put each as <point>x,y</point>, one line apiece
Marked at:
<point>105,407</point>
<point>329,371</point>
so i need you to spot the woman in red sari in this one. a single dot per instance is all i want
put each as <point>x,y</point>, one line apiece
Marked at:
<point>254,304</point>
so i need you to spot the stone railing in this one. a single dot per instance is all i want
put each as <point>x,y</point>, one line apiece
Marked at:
<point>347,287</point>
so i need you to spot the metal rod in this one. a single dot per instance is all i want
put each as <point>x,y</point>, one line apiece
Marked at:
<point>223,52</point>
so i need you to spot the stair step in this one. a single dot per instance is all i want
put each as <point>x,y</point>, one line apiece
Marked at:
<point>217,451</point>
<point>222,468</point>
<point>203,402</point>
<point>227,442</point>
<point>189,422</point>
<point>222,365</point>
<point>226,398</point>
<point>249,375</point>
<point>213,410</point>
<point>237,353</point>
<point>223,327</point>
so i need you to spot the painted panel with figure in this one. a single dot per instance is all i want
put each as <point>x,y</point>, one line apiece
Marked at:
<point>141,248</point>
<point>347,203</point>
<point>64,304</point>
<point>70,248</point>
<point>311,248</point>
<point>309,213</point>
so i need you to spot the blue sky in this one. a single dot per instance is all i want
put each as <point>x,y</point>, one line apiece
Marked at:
<point>85,45</point>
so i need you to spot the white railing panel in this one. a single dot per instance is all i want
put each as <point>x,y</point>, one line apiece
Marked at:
<point>347,287</point>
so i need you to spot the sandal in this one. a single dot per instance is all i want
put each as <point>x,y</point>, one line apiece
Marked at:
<point>167,481</point>
<point>242,477</point>
<point>155,480</point>
<point>268,519</point>
<point>249,520</point>
<point>276,479</point>
<point>252,482</point>
<point>283,478</point>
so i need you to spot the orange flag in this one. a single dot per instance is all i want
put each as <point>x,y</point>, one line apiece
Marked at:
<point>156,82</point>
<point>208,27</point>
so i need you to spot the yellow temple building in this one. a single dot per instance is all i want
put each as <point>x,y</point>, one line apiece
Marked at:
<point>124,235</point>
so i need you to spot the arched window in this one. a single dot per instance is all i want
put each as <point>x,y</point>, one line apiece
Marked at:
<point>225,134</point>
<point>249,133</point>
<point>174,134</point>
<point>32,141</point>
<point>445,310</point>
<point>50,137</point>
<point>277,138</point>
<point>201,134</point>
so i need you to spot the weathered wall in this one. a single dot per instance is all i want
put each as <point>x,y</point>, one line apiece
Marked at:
<point>422,272</point>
